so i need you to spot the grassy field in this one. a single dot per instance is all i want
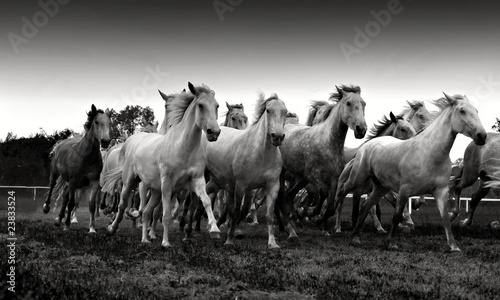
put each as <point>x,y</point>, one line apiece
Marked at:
<point>73,264</point>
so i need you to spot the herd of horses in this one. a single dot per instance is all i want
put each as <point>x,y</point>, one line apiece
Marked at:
<point>192,163</point>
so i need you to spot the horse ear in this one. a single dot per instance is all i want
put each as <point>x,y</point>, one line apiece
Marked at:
<point>165,97</point>
<point>393,118</point>
<point>183,90</point>
<point>192,89</point>
<point>228,106</point>
<point>93,109</point>
<point>450,99</point>
<point>341,92</point>
<point>242,108</point>
<point>156,124</point>
<point>107,112</point>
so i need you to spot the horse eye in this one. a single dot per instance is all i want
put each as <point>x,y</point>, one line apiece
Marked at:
<point>462,111</point>
<point>348,103</point>
<point>200,106</point>
<point>403,130</point>
<point>233,118</point>
<point>96,122</point>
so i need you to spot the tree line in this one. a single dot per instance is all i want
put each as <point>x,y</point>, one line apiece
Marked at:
<point>25,160</point>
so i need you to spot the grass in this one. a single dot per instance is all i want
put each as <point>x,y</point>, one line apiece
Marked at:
<point>74,264</point>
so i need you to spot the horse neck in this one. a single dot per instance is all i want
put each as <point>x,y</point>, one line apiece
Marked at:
<point>335,128</point>
<point>164,126</point>
<point>191,134</point>
<point>438,138</point>
<point>260,133</point>
<point>89,143</point>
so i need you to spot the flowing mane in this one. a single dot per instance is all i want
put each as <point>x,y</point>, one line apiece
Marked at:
<point>180,104</point>
<point>90,117</point>
<point>260,107</point>
<point>379,128</point>
<point>336,96</point>
<point>442,104</point>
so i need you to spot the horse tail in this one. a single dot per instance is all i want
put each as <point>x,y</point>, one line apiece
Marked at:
<point>57,193</point>
<point>109,180</point>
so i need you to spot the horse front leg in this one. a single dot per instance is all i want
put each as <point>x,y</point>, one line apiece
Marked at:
<point>65,200</point>
<point>94,189</point>
<point>441,197</point>
<point>272,190</point>
<point>199,187</point>
<point>125,194</point>
<point>154,201</point>
<point>71,205</point>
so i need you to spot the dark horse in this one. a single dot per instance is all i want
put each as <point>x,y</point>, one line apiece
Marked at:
<point>78,161</point>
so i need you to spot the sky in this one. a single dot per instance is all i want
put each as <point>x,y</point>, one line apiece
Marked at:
<point>59,57</point>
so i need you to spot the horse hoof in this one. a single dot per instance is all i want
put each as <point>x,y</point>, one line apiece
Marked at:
<point>326,233</point>
<point>273,246</point>
<point>465,223</point>
<point>405,229</point>
<point>57,222</point>
<point>293,239</point>
<point>46,208</point>
<point>392,247</point>
<point>152,237</point>
<point>494,225</point>
<point>145,241</point>
<point>356,241</point>
<point>214,235</point>
<point>92,230</point>
<point>133,213</point>
<point>455,250</point>
<point>381,231</point>
<point>66,228</point>
<point>166,244</point>
<point>229,244</point>
<point>338,230</point>
<point>74,221</point>
<point>187,239</point>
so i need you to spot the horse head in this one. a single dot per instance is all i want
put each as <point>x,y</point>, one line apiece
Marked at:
<point>353,110</point>
<point>403,129</point>
<point>275,112</point>
<point>206,112</point>
<point>465,119</point>
<point>236,117</point>
<point>99,125</point>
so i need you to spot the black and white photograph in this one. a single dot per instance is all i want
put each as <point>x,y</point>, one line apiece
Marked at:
<point>235,149</point>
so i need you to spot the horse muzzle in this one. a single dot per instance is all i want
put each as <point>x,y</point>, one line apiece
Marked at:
<point>480,138</point>
<point>105,143</point>
<point>277,139</point>
<point>212,135</point>
<point>359,131</point>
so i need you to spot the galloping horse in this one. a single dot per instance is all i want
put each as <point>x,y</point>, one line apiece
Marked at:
<point>316,154</point>
<point>482,162</point>
<point>79,162</point>
<point>242,160</point>
<point>415,166</point>
<point>171,162</point>
<point>393,126</point>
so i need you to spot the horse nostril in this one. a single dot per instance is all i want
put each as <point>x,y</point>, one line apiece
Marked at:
<point>358,128</point>
<point>209,131</point>
<point>273,136</point>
